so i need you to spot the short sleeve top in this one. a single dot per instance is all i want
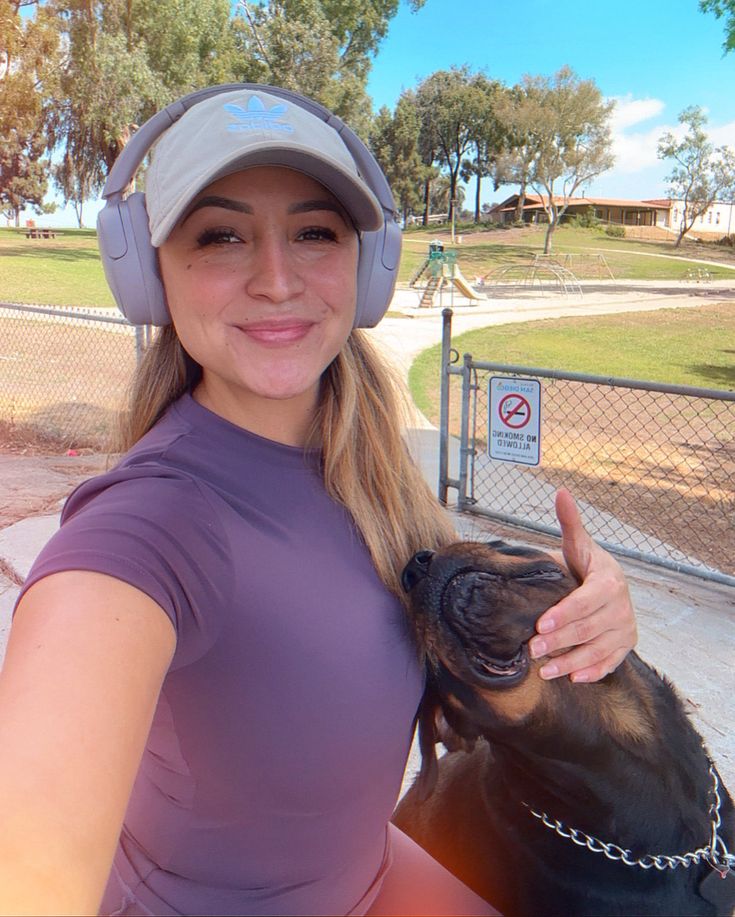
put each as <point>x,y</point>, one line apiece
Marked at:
<point>284,722</point>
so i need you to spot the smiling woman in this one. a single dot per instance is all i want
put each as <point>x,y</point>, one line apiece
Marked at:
<point>260,278</point>
<point>209,666</point>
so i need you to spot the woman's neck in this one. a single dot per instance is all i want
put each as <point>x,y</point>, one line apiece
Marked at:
<point>287,421</point>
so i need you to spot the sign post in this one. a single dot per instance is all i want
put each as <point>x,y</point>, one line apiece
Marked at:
<point>514,421</point>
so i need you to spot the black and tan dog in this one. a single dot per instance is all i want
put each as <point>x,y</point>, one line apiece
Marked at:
<point>591,799</point>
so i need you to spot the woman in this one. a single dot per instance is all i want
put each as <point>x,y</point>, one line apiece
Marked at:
<point>209,690</point>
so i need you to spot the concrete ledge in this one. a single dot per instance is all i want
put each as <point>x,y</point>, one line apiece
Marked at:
<point>21,542</point>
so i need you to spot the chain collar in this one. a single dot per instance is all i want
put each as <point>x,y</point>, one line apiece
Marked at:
<point>715,853</point>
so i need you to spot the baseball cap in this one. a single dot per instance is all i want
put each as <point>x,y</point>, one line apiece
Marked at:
<point>236,130</point>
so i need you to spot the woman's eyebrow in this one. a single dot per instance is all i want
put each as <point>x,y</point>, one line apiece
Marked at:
<point>213,200</point>
<point>308,206</point>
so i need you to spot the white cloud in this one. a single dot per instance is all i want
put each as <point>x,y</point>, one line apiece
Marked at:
<point>629,111</point>
<point>724,135</point>
<point>635,152</point>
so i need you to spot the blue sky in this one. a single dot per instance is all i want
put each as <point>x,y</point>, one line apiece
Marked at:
<point>655,57</point>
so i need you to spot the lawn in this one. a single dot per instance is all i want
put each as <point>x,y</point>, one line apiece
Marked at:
<point>482,252</point>
<point>65,271</point>
<point>681,346</point>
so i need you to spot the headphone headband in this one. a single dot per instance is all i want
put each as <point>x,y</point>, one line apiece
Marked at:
<point>130,260</point>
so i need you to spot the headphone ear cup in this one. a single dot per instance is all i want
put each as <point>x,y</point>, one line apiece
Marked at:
<point>377,270</point>
<point>130,261</point>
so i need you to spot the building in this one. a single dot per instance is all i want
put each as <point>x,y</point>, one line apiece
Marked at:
<point>664,213</point>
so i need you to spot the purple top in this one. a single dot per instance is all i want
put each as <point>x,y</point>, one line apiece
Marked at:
<point>284,722</point>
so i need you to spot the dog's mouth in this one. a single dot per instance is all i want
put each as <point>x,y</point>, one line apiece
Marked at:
<point>492,667</point>
<point>506,661</point>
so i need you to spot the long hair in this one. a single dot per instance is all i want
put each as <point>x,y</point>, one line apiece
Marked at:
<point>362,409</point>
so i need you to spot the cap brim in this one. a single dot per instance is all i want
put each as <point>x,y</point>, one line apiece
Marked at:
<point>352,193</point>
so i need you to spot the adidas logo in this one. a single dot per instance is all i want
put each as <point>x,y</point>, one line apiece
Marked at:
<point>257,117</point>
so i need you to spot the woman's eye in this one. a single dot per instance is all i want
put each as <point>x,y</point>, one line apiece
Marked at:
<point>318,234</point>
<point>217,237</point>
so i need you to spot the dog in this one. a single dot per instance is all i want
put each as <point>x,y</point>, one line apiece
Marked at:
<point>555,798</point>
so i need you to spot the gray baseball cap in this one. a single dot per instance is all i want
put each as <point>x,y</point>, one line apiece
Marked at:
<point>236,130</point>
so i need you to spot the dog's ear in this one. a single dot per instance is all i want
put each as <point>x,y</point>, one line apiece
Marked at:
<point>450,738</point>
<point>428,737</point>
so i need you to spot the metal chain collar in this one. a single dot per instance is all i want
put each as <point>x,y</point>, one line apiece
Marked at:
<point>715,853</point>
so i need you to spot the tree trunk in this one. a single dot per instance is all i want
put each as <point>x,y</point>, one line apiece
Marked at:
<point>78,207</point>
<point>427,195</point>
<point>547,240</point>
<point>520,203</point>
<point>477,199</point>
<point>453,175</point>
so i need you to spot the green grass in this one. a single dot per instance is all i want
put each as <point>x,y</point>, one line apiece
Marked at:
<point>628,259</point>
<point>67,270</point>
<point>64,271</point>
<point>680,346</point>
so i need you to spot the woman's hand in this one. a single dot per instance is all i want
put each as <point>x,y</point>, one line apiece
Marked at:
<point>597,620</point>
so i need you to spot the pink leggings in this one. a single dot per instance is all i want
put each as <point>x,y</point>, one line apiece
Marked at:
<point>415,884</point>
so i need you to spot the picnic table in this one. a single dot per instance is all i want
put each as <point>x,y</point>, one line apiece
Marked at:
<point>36,232</point>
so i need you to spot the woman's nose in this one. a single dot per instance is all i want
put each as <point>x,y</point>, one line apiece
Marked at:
<point>275,274</point>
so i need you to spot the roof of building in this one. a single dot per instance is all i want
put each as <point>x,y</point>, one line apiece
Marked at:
<point>534,202</point>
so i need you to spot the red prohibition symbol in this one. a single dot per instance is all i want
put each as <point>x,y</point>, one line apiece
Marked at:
<point>514,411</point>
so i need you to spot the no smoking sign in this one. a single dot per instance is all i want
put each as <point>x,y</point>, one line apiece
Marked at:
<point>514,422</point>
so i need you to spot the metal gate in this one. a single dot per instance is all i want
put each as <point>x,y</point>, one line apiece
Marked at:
<point>652,466</point>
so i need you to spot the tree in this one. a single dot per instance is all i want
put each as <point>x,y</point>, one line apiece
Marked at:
<point>488,138</point>
<point>74,183</point>
<point>722,8</point>
<point>322,48</point>
<point>572,140</point>
<point>440,199</point>
<point>29,54</point>
<point>394,143</point>
<point>23,175</point>
<point>701,173</point>
<point>451,106</point>
<point>517,111</point>
<point>124,60</point>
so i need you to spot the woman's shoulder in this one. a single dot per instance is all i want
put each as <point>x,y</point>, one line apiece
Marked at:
<point>149,477</point>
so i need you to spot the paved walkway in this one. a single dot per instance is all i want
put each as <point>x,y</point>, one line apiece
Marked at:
<point>686,624</point>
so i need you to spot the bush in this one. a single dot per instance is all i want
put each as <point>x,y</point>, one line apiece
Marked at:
<point>729,241</point>
<point>585,220</point>
<point>617,232</point>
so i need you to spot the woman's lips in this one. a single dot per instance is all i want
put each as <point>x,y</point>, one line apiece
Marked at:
<point>276,332</point>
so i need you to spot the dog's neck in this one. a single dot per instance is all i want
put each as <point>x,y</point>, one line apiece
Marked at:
<point>578,764</point>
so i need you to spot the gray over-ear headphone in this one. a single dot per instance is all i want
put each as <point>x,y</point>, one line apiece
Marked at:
<point>129,258</point>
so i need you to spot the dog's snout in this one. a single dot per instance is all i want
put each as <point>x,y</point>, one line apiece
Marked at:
<point>416,569</point>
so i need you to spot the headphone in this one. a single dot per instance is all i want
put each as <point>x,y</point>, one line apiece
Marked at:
<point>130,260</point>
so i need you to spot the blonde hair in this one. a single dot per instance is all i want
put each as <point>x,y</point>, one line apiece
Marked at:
<point>359,424</point>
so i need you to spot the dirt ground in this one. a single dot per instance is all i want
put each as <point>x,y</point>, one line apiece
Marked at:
<point>34,483</point>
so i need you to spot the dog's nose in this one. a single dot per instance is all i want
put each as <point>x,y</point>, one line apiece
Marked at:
<point>416,569</point>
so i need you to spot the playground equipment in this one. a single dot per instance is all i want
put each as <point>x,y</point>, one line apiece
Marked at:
<point>588,264</point>
<point>544,273</point>
<point>440,270</point>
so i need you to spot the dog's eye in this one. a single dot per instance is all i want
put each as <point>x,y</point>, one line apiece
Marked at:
<point>549,574</point>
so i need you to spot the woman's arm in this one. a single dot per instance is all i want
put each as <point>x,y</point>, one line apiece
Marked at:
<point>597,620</point>
<point>84,666</point>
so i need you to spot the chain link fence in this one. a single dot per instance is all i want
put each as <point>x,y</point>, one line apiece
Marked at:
<point>652,466</point>
<point>64,373</point>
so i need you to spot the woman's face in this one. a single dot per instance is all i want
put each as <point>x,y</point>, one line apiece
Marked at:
<point>260,276</point>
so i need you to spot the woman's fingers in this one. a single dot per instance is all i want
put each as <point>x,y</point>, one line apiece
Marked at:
<point>596,622</point>
<point>576,542</point>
